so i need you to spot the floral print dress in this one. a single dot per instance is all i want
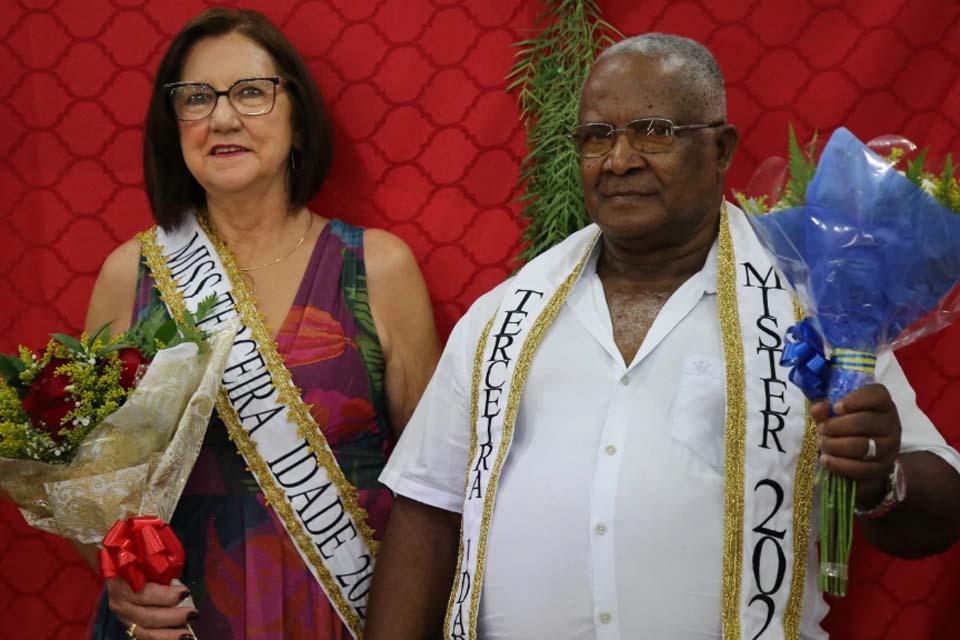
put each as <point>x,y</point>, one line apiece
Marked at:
<point>247,579</point>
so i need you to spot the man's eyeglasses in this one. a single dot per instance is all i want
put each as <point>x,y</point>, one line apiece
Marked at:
<point>647,135</point>
<point>248,96</point>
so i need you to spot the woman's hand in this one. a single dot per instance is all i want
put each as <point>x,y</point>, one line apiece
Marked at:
<point>154,609</point>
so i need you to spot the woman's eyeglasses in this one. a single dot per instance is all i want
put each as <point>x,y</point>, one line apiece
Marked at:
<point>248,96</point>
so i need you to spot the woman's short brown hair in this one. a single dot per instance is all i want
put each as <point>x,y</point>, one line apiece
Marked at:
<point>171,188</point>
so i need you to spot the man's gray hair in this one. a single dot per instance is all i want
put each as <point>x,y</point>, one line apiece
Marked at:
<point>699,66</point>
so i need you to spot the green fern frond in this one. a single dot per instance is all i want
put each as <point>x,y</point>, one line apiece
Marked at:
<point>548,75</point>
<point>802,167</point>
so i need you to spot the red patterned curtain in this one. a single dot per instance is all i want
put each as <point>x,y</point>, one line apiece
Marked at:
<point>428,146</point>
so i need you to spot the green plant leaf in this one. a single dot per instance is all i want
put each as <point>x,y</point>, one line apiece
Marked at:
<point>205,307</point>
<point>166,332</point>
<point>802,169</point>
<point>945,182</point>
<point>914,171</point>
<point>10,369</point>
<point>547,75</point>
<point>69,342</point>
<point>103,330</point>
<point>114,347</point>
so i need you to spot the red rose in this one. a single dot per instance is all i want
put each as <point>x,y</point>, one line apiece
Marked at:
<point>47,401</point>
<point>132,361</point>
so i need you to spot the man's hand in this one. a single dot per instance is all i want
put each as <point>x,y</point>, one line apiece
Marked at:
<point>844,439</point>
<point>928,520</point>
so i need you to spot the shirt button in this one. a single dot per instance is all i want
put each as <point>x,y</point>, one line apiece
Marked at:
<point>605,618</point>
<point>600,529</point>
<point>610,449</point>
<point>625,380</point>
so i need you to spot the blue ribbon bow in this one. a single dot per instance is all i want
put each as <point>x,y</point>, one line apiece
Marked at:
<point>804,352</point>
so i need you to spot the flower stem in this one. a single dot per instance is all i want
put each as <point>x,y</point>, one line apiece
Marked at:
<point>837,498</point>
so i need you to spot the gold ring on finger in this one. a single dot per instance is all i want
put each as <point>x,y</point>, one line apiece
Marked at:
<point>132,631</point>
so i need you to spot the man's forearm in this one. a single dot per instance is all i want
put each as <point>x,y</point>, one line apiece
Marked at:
<point>928,520</point>
<point>414,573</point>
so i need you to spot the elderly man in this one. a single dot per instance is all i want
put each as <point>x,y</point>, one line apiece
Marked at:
<point>608,448</point>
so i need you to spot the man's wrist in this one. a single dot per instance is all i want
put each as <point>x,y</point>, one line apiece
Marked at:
<point>896,491</point>
<point>872,493</point>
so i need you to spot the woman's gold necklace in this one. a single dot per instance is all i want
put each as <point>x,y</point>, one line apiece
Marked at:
<point>284,256</point>
<point>251,284</point>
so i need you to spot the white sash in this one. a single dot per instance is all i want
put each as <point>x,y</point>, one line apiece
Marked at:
<point>502,361</point>
<point>770,445</point>
<point>268,421</point>
<point>768,494</point>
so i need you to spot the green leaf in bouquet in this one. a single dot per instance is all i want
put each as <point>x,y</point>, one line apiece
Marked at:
<point>915,168</point>
<point>188,332</point>
<point>205,307</point>
<point>166,332</point>
<point>802,168</point>
<point>69,342</point>
<point>159,331</point>
<point>116,346</point>
<point>10,369</point>
<point>103,331</point>
<point>948,191</point>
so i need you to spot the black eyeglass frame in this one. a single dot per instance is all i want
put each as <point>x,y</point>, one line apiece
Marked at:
<point>672,130</point>
<point>171,87</point>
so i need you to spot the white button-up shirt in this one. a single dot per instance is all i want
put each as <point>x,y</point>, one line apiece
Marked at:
<point>609,516</point>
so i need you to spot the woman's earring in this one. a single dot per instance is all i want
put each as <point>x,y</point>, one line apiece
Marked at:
<point>293,160</point>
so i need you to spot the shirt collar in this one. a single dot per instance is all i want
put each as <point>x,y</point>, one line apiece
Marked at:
<point>708,274</point>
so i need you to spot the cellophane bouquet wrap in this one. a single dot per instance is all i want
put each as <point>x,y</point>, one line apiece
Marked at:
<point>102,433</point>
<point>137,460</point>
<point>873,259</point>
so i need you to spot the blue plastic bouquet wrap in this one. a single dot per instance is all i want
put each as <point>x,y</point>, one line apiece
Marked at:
<point>873,259</point>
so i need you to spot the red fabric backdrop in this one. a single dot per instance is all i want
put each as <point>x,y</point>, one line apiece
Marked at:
<point>428,146</point>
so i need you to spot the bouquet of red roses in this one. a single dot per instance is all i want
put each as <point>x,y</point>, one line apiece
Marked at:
<point>96,429</point>
<point>50,399</point>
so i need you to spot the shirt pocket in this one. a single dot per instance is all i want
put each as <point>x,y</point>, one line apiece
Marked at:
<point>698,410</point>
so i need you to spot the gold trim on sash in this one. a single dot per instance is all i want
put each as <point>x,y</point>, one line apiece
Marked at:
<point>802,505</point>
<point>289,396</point>
<point>524,359</point>
<point>736,430</point>
<point>735,453</point>
<point>517,383</point>
<point>474,416</point>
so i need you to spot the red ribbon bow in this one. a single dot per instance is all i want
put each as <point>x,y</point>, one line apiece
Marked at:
<point>141,549</point>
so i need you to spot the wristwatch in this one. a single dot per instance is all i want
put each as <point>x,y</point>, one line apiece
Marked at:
<point>896,492</point>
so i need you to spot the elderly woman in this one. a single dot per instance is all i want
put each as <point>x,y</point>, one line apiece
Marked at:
<point>278,541</point>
